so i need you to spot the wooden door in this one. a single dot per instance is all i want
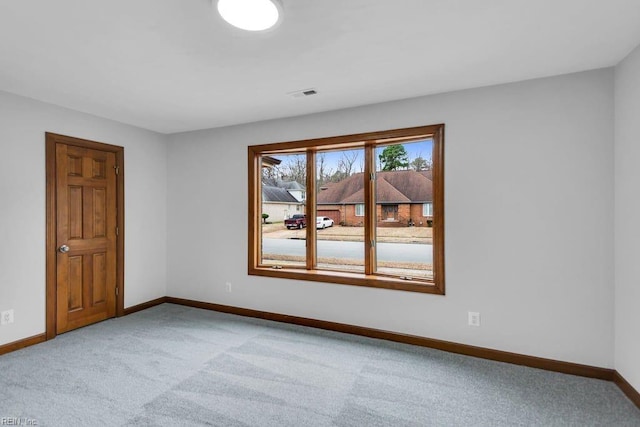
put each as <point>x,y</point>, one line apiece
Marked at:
<point>389,212</point>
<point>85,236</point>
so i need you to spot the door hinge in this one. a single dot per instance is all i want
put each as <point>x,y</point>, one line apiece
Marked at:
<point>117,169</point>
<point>116,291</point>
<point>373,243</point>
<point>117,231</point>
<point>372,176</point>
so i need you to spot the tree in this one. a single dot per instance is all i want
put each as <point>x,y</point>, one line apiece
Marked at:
<point>394,157</point>
<point>420,164</point>
<point>338,176</point>
<point>345,167</point>
<point>324,174</point>
<point>346,162</point>
<point>295,169</point>
<point>271,172</point>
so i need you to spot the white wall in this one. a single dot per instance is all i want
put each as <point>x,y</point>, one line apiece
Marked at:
<point>23,123</point>
<point>529,214</point>
<point>627,219</point>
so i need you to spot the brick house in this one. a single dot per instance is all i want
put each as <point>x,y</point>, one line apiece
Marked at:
<point>403,198</point>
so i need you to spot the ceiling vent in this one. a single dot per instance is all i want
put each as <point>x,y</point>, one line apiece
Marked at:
<point>303,93</point>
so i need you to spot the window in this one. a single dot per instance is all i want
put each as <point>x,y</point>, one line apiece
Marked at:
<point>372,192</point>
<point>338,248</point>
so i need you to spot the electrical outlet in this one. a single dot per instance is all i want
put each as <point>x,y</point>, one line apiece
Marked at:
<point>474,318</point>
<point>228,287</point>
<point>6,317</point>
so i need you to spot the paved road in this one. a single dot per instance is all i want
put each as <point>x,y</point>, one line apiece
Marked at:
<point>399,252</point>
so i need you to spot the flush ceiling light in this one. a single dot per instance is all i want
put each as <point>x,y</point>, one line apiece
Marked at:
<point>250,15</point>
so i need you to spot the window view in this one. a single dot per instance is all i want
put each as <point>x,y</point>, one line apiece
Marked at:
<point>340,189</point>
<point>283,212</point>
<point>363,210</point>
<point>404,233</point>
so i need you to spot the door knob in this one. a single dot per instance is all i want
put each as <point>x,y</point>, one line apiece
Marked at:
<point>63,249</point>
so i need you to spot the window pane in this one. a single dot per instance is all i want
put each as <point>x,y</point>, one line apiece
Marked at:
<point>360,210</point>
<point>404,189</point>
<point>340,230</point>
<point>283,210</point>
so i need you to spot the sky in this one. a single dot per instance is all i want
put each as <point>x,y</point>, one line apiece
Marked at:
<point>422,148</point>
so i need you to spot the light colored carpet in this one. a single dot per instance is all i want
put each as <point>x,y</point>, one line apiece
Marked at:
<point>173,365</point>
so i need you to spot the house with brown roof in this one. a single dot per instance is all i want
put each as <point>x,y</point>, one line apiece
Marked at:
<point>403,198</point>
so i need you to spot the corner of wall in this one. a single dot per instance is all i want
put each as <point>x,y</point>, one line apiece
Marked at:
<point>626,213</point>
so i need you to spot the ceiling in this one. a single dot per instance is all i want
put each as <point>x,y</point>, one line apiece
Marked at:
<point>174,65</point>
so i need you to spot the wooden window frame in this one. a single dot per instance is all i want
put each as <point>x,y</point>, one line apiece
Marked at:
<point>363,140</point>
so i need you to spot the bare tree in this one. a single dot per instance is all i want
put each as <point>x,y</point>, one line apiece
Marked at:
<point>346,162</point>
<point>320,159</point>
<point>295,168</point>
<point>345,166</point>
<point>271,173</point>
<point>419,163</point>
<point>324,174</point>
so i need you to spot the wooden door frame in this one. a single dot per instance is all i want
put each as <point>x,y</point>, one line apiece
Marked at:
<point>51,214</point>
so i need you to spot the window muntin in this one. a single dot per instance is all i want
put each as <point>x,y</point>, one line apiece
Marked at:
<point>372,276</point>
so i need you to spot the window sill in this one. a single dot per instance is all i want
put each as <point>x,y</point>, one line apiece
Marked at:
<point>346,278</point>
